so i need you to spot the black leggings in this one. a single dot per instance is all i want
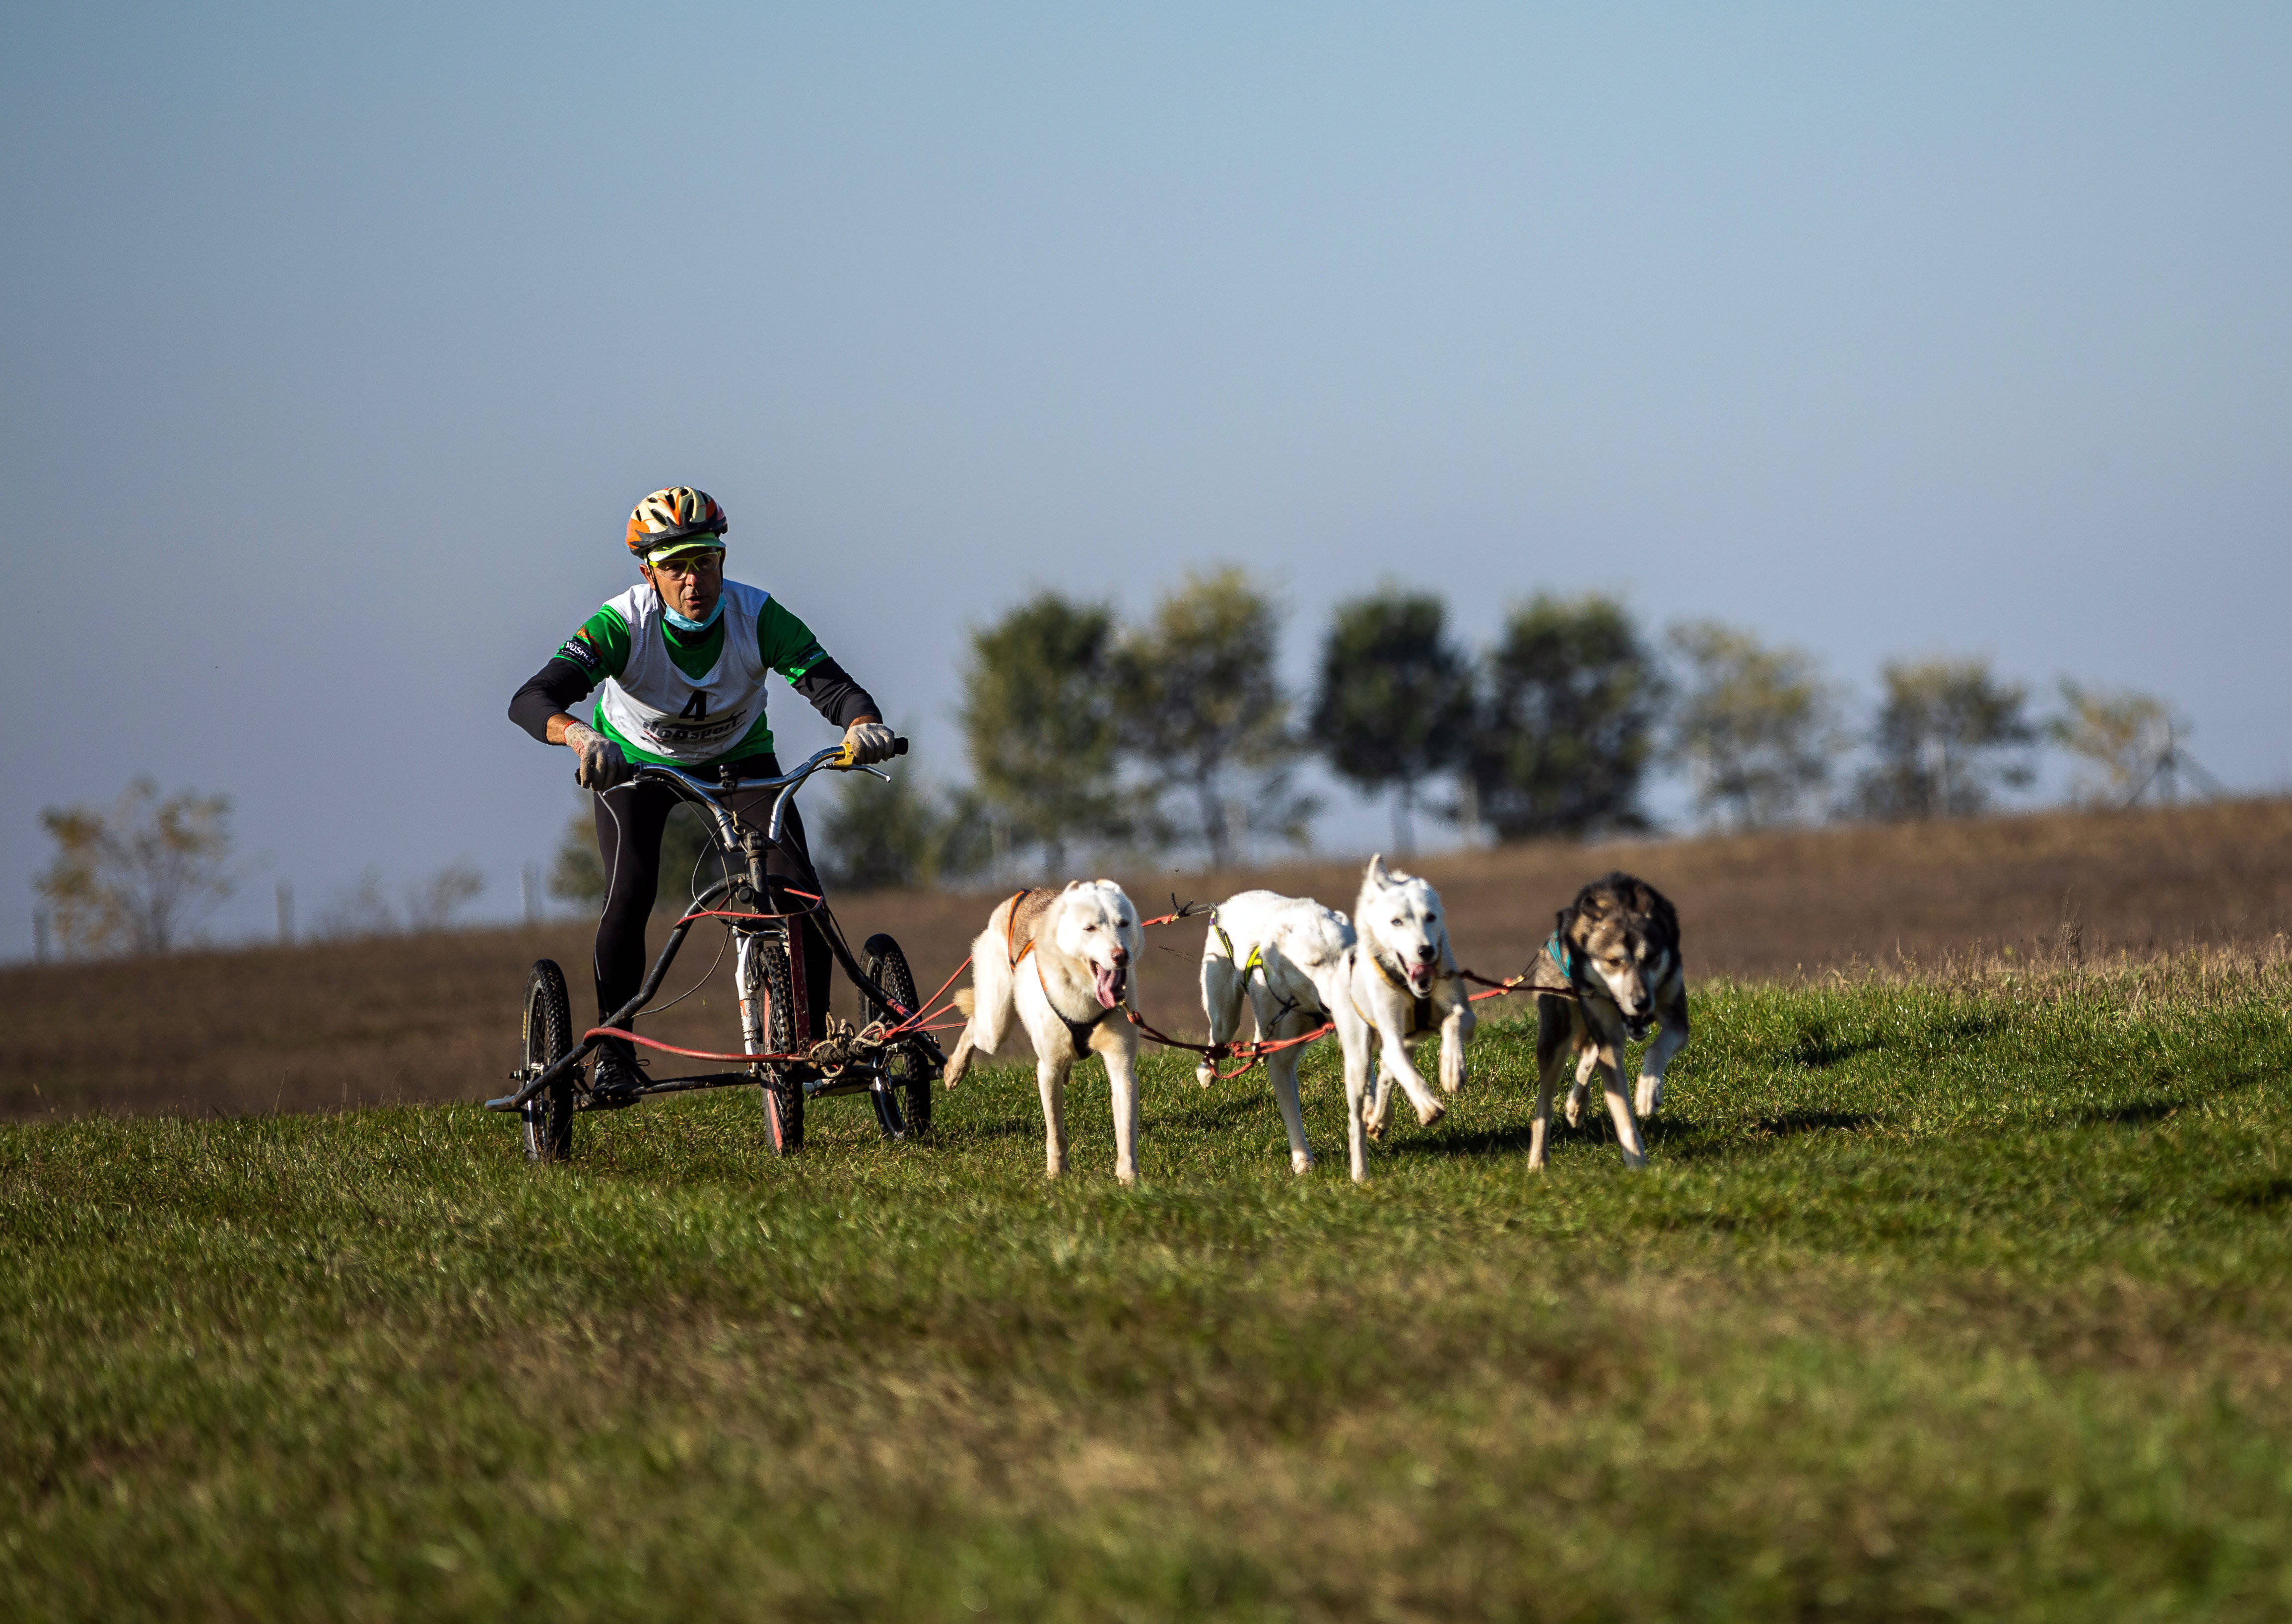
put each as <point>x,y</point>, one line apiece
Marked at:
<point>630,819</point>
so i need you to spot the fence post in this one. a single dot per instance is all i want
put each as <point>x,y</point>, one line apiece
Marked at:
<point>39,936</point>
<point>529,881</point>
<point>286,912</point>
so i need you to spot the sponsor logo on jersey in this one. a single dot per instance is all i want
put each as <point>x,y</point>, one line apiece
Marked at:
<point>578,649</point>
<point>676,733</point>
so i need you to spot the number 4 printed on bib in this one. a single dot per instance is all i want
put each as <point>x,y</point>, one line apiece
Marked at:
<point>696,709</point>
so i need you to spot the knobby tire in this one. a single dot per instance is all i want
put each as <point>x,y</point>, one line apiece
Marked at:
<point>783,1089</point>
<point>548,1116</point>
<point>887,968</point>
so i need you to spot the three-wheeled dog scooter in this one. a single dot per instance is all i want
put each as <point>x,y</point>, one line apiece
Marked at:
<point>888,1057</point>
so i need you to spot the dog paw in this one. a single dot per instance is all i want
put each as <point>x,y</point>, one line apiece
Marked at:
<point>1427,1116</point>
<point>1376,1131</point>
<point>1301,1164</point>
<point>1574,1110</point>
<point>1206,1075</point>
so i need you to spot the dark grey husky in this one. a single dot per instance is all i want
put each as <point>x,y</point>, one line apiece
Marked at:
<point>1617,946</point>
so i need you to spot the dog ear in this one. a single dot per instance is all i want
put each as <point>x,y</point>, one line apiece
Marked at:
<point>1591,903</point>
<point>1376,870</point>
<point>1074,885</point>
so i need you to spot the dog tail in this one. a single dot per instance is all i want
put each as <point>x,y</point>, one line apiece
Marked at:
<point>966,999</point>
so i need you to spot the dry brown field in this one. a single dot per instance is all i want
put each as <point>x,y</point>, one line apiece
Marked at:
<point>435,1018</point>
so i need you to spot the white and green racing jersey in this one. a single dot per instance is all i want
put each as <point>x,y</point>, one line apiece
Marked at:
<point>690,699</point>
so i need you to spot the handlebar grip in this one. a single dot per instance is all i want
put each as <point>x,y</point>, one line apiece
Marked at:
<point>899,747</point>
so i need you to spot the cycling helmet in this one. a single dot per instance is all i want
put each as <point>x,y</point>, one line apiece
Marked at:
<point>677,519</point>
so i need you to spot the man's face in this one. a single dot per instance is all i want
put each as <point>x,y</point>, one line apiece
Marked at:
<point>689,582</point>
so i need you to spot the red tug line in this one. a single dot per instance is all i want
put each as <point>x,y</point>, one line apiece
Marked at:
<point>1248,1053</point>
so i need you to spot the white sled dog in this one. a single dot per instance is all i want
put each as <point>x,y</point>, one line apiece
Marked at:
<point>1617,948</point>
<point>1059,962</point>
<point>1293,959</point>
<point>1405,986</point>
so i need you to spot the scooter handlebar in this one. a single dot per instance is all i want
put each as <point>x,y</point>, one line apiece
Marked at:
<point>899,748</point>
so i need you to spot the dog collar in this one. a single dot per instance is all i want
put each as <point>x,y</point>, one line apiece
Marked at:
<point>1421,1010</point>
<point>1399,984</point>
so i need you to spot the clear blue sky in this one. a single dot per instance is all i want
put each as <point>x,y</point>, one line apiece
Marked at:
<point>336,343</point>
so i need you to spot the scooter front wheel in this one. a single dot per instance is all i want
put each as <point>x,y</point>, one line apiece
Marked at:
<point>783,1089</point>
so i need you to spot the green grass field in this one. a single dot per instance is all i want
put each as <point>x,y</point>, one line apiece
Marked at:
<point>1939,1301</point>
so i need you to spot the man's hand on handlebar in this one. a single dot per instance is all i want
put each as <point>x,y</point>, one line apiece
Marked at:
<point>602,763</point>
<point>865,743</point>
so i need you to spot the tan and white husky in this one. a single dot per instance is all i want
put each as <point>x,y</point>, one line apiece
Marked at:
<point>1059,963</point>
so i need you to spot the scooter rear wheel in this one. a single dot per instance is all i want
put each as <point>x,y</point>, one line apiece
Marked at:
<point>547,1118</point>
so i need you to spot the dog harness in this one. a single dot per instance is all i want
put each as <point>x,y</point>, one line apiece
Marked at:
<point>1256,959</point>
<point>1562,955</point>
<point>1079,1031</point>
<point>1256,963</point>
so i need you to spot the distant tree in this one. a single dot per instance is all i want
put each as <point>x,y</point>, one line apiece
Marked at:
<point>2120,737</point>
<point>362,910</point>
<point>877,836</point>
<point>432,904</point>
<point>577,874</point>
<point>1395,699</point>
<point>965,848</point>
<point>139,877</point>
<point>890,836</point>
<point>1569,700</point>
<point>365,909</point>
<point>1038,712</point>
<point>1203,713</point>
<point>1948,733</point>
<point>1756,726</point>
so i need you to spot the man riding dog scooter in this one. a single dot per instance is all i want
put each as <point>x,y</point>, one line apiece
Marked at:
<point>682,657</point>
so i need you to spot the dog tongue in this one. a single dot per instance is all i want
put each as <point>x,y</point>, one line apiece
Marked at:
<point>1109,984</point>
<point>1420,976</point>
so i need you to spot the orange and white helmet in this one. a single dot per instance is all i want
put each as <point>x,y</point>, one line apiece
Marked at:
<point>674,520</point>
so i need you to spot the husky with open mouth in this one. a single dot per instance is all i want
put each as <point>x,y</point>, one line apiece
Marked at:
<point>1405,986</point>
<point>1060,961</point>
<point>1617,946</point>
